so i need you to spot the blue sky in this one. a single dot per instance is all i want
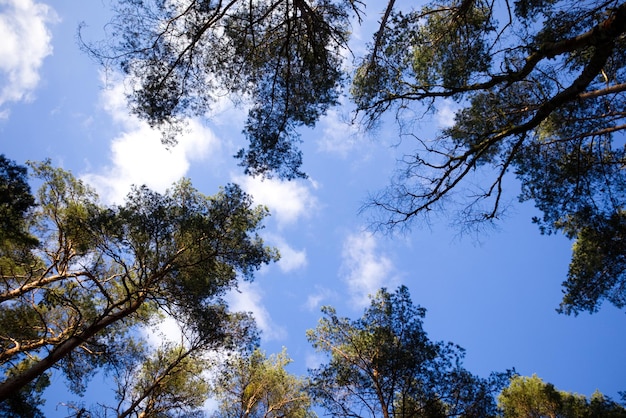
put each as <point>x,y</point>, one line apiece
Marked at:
<point>495,294</point>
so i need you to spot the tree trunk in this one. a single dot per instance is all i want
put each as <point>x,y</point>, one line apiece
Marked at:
<point>12,385</point>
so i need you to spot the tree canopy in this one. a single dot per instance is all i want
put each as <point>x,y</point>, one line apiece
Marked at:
<point>252,385</point>
<point>529,397</point>
<point>282,57</point>
<point>15,201</point>
<point>384,365</point>
<point>99,273</point>
<point>538,87</point>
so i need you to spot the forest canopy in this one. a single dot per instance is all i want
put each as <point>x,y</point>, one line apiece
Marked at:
<point>538,86</point>
<point>80,283</point>
<point>75,295</point>
<point>384,365</point>
<point>537,93</point>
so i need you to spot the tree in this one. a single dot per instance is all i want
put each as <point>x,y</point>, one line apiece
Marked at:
<point>170,383</point>
<point>170,379</point>
<point>541,92</point>
<point>530,397</point>
<point>282,56</point>
<point>15,201</point>
<point>539,83</point>
<point>384,365</point>
<point>101,273</point>
<point>252,385</point>
<point>27,401</point>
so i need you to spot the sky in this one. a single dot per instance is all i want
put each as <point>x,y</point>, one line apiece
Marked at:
<point>494,293</point>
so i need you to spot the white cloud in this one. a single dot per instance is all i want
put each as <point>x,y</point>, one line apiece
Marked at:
<point>290,259</point>
<point>445,114</point>
<point>26,41</point>
<point>314,360</point>
<point>314,300</point>
<point>166,330</point>
<point>288,201</point>
<point>339,135</point>
<point>248,298</point>
<point>139,157</point>
<point>364,269</point>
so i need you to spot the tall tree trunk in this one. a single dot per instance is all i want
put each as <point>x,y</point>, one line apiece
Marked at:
<point>12,385</point>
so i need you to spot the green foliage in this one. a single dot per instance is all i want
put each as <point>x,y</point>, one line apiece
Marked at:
<point>441,45</point>
<point>539,83</point>
<point>384,365</point>
<point>26,402</point>
<point>252,385</point>
<point>580,186</point>
<point>540,94</point>
<point>102,273</point>
<point>529,397</point>
<point>15,201</point>
<point>169,382</point>
<point>283,57</point>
